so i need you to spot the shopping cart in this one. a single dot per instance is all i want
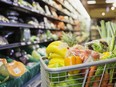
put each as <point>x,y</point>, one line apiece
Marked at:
<point>103,76</point>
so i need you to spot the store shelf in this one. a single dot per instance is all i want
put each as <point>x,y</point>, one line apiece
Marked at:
<point>30,11</point>
<point>34,82</point>
<point>63,5</point>
<point>31,26</point>
<point>65,30</point>
<point>7,2</point>
<point>13,45</point>
<point>16,25</point>
<point>74,8</point>
<point>7,46</point>
<point>47,3</point>
<point>22,25</point>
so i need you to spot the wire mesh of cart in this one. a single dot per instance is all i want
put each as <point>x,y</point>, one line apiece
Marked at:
<point>94,74</point>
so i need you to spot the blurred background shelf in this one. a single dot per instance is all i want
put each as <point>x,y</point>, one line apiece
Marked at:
<point>30,11</point>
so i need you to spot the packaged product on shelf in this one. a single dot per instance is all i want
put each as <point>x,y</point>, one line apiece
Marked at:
<point>33,21</point>
<point>3,41</point>
<point>47,24</point>
<point>34,38</point>
<point>12,68</point>
<point>61,25</point>
<point>71,20</point>
<point>66,18</point>
<point>61,17</point>
<point>37,7</point>
<point>3,19</point>
<point>58,6</point>
<point>54,12</point>
<point>47,10</point>
<point>26,34</point>
<point>25,4</point>
<point>13,16</point>
<point>69,26</point>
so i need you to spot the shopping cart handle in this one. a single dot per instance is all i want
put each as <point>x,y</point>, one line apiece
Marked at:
<point>73,67</point>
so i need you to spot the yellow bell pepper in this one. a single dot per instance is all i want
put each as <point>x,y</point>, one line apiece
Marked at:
<point>54,55</point>
<point>56,60</point>
<point>105,55</point>
<point>56,48</point>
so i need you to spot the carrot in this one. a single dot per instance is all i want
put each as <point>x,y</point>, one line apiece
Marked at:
<point>91,73</point>
<point>105,80</point>
<point>96,82</point>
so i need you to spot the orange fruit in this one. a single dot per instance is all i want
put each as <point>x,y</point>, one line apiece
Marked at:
<point>78,60</point>
<point>70,61</point>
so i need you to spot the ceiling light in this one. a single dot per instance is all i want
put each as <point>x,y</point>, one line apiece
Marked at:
<point>110,1</point>
<point>91,2</point>
<point>114,4</point>
<point>112,8</point>
<point>103,13</point>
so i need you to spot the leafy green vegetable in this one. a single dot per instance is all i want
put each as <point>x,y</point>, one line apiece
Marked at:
<point>112,44</point>
<point>103,29</point>
<point>100,46</point>
<point>107,32</point>
<point>96,47</point>
<point>69,38</point>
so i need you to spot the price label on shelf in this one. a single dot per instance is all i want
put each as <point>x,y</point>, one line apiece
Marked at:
<point>23,43</point>
<point>15,4</point>
<point>35,42</point>
<point>29,42</point>
<point>40,26</point>
<point>17,70</point>
<point>34,10</point>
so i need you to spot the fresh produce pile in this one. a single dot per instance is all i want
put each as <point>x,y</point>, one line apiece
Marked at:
<point>10,69</point>
<point>17,62</point>
<point>106,46</point>
<point>61,55</point>
<point>66,53</point>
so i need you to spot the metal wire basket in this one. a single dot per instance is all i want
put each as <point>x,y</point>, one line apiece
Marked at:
<point>104,74</point>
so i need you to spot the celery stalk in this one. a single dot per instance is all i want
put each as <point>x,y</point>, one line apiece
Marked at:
<point>103,29</point>
<point>112,44</point>
<point>99,30</point>
<point>110,28</point>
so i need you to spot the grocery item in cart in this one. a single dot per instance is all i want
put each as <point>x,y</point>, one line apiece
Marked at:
<point>97,74</point>
<point>92,71</point>
<point>58,48</point>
